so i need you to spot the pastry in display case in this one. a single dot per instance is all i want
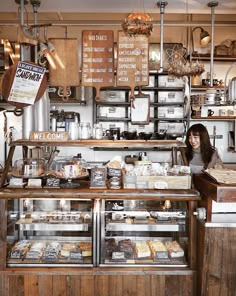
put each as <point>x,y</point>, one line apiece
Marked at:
<point>140,232</point>
<point>46,232</point>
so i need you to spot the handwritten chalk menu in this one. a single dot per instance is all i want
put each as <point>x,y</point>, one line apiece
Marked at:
<point>98,177</point>
<point>26,83</point>
<point>97,59</point>
<point>132,61</point>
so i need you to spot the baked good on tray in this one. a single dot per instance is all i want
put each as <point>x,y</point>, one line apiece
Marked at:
<point>142,249</point>
<point>174,249</point>
<point>158,249</point>
<point>86,249</point>
<point>111,246</point>
<point>127,247</point>
<point>20,249</point>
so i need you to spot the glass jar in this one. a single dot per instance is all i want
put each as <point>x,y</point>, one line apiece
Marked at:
<point>85,130</point>
<point>97,131</point>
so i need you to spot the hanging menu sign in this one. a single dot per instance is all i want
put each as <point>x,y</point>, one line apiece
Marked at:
<point>132,61</point>
<point>98,59</point>
<point>26,83</point>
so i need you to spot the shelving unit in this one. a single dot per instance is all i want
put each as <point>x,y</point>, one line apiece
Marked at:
<point>166,106</point>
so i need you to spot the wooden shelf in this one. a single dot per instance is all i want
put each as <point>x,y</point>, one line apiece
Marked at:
<point>229,118</point>
<point>207,57</point>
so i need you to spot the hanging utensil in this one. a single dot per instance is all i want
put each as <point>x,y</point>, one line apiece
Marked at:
<point>65,56</point>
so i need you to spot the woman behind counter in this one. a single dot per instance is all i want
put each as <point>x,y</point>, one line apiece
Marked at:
<point>200,153</point>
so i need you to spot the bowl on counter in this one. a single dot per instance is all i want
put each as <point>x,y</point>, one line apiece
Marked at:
<point>161,135</point>
<point>129,135</point>
<point>174,136</point>
<point>145,135</point>
<point>130,159</point>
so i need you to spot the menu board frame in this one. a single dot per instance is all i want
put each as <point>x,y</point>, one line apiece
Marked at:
<point>132,61</point>
<point>98,59</point>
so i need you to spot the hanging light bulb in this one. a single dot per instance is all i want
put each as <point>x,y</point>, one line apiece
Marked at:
<point>45,51</point>
<point>55,55</point>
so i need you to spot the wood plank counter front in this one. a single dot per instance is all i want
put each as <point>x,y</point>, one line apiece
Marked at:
<point>216,241</point>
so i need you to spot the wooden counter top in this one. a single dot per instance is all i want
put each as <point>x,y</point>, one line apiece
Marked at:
<point>208,188</point>
<point>102,143</point>
<point>86,193</point>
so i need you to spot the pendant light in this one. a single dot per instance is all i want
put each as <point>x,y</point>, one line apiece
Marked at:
<point>138,23</point>
<point>212,5</point>
<point>161,5</point>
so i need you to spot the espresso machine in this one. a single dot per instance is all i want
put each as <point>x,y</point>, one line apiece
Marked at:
<point>60,119</point>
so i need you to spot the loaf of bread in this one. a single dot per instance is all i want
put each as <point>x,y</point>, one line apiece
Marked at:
<point>142,249</point>
<point>174,249</point>
<point>157,246</point>
<point>158,249</point>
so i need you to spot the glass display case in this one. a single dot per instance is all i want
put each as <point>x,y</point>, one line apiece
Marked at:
<point>50,232</point>
<point>144,232</point>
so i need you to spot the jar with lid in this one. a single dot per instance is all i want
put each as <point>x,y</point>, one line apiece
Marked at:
<point>85,130</point>
<point>115,183</point>
<point>97,131</point>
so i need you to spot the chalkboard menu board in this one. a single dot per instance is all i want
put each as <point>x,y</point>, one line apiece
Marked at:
<point>98,59</point>
<point>98,177</point>
<point>132,61</point>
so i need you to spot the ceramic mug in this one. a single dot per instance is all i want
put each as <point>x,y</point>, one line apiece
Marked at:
<point>222,112</point>
<point>210,112</point>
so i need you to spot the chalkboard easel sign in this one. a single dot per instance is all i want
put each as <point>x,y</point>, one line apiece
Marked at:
<point>98,177</point>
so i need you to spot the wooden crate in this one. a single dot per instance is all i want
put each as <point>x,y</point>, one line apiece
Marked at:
<point>173,182</point>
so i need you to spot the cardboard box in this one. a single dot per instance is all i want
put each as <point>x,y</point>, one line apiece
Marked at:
<point>173,182</point>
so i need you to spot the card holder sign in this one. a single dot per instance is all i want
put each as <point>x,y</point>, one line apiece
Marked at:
<point>98,177</point>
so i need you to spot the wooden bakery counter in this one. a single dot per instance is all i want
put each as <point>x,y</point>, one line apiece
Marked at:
<point>97,241</point>
<point>216,237</point>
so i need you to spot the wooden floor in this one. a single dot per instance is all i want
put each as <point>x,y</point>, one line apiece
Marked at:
<point>112,284</point>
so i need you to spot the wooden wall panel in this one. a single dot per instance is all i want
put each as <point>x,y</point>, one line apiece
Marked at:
<point>125,284</point>
<point>31,285</point>
<point>102,285</point>
<point>158,285</point>
<point>4,285</point>
<point>3,231</point>
<point>130,285</point>
<point>218,268</point>
<point>87,285</point>
<point>179,285</point>
<point>16,285</point>
<point>143,285</point>
<point>115,285</point>
<point>73,285</point>
<point>59,285</point>
<point>45,286</point>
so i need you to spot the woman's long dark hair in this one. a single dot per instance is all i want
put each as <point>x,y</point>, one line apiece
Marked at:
<point>206,148</point>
